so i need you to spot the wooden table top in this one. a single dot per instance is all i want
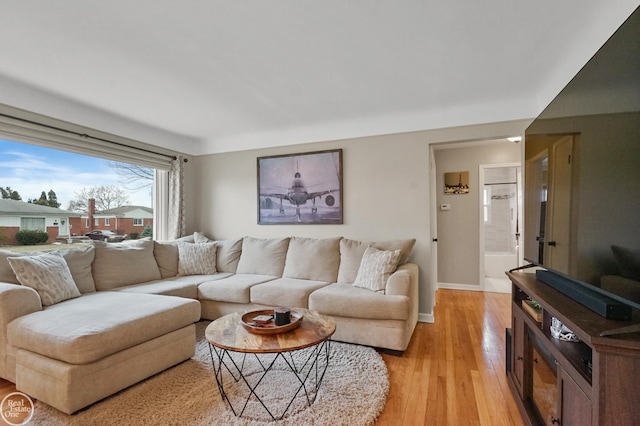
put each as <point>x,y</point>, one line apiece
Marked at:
<point>228,333</point>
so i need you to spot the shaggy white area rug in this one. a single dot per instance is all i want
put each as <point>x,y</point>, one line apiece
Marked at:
<point>353,392</point>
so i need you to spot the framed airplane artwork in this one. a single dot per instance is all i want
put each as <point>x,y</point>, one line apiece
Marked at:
<point>304,188</point>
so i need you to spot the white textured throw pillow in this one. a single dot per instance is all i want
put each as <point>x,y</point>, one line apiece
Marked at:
<point>375,268</point>
<point>47,274</point>
<point>196,259</point>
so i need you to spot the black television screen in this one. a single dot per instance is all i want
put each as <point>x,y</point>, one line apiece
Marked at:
<point>582,173</point>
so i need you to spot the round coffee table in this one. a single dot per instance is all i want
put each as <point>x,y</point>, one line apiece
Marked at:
<point>310,341</point>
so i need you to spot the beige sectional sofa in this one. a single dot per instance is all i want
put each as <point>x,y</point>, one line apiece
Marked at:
<point>130,309</point>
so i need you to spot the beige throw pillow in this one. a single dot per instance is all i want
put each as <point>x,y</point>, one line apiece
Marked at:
<point>48,274</point>
<point>196,259</point>
<point>375,269</point>
<point>200,237</point>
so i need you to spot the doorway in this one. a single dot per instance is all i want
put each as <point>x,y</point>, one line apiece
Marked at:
<point>500,224</point>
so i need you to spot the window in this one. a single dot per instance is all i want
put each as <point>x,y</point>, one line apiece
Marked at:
<point>486,203</point>
<point>107,221</point>
<point>33,134</point>
<point>32,224</point>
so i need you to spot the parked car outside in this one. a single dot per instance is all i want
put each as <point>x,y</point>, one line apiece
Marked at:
<point>107,236</point>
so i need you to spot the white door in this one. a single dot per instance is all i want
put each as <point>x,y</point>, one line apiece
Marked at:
<point>63,227</point>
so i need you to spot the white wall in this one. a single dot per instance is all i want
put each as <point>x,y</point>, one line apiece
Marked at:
<point>459,228</point>
<point>386,192</point>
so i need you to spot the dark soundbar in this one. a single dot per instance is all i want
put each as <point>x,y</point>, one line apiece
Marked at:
<point>599,303</point>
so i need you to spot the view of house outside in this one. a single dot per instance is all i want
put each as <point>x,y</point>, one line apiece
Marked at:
<point>68,196</point>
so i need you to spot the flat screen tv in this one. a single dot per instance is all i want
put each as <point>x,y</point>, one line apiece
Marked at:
<point>582,174</point>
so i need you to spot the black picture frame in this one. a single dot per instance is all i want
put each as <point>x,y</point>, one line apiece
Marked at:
<point>300,189</point>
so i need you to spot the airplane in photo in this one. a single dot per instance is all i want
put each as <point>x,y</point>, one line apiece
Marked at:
<point>298,195</point>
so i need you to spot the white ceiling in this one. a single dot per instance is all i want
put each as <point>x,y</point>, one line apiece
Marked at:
<point>205,76</point>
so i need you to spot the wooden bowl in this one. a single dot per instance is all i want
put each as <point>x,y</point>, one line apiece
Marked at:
<point>269,328</point>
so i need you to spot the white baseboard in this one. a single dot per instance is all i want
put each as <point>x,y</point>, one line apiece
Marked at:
<point>453,286</point>
<point>491,285</point>
<point>426,318</point>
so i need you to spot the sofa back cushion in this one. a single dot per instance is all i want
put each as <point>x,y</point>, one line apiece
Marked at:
<point>313,259</point>
<point>6,273</point>
<point>78,260</point>
<point>263,256</point>
<point>166,254</point>
<point>229,255</point>
<point>351,252</point>
<point>119,264</point>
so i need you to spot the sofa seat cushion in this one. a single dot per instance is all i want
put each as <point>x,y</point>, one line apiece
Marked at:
<point>346,300</point>
<point>168,287</point>
<point>290,292</point>
<point>235,289</point>
<point>93,326</point>
<point>199,279</point>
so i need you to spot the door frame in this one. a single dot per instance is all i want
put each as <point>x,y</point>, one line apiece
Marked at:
<point>519,189</point>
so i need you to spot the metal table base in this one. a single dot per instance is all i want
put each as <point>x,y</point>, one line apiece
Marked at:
<point>309,371</point>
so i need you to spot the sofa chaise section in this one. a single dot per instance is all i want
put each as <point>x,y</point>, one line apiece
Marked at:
<point>77,352</point>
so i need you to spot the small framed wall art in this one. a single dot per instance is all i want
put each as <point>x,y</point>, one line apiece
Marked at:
<point>456,183</point>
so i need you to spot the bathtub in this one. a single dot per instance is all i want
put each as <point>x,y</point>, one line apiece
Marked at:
<point>495,264</point>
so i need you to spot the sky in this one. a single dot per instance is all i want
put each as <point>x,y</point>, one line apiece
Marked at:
<point>30,169</point>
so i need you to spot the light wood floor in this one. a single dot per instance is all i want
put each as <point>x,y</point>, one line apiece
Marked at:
<point>453,372</point>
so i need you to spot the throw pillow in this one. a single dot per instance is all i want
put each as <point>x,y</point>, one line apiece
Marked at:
<point>48,274</point>
<point>263,256</point>
<point>196,259</point>
<point>200,237</point>
<point>375,269</point>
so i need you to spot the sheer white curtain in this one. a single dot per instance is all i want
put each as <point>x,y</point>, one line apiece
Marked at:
<point>175,217</point>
